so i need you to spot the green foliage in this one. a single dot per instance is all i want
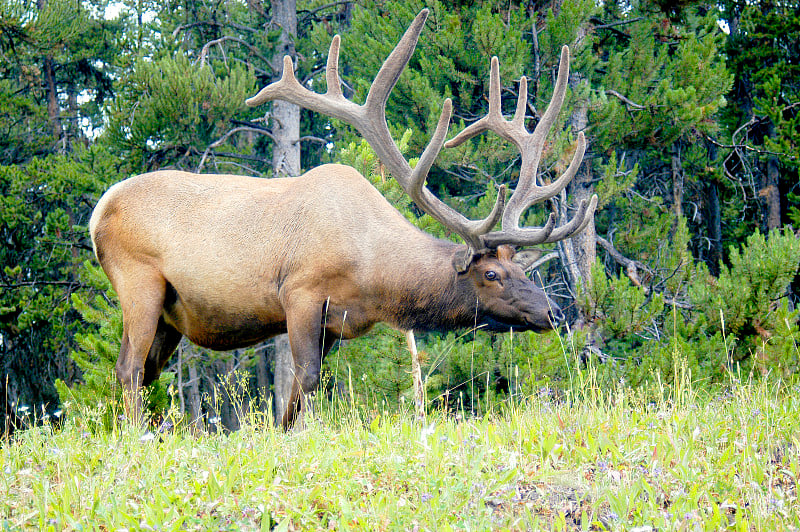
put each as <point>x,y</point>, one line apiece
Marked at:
<point>758,274</point>
<point>96,395</point>
<point>744,294</point>
<point>621,308</point>
<point>172,109</point>
<point>44,209</point>
<point>656,81</point>
<point>779,351</point>
<point>617,179</point>
<point>678,88</point>
<point>18,144</point>
<point>762,54</point>
<point>731,320</point>
<point>376,369</point>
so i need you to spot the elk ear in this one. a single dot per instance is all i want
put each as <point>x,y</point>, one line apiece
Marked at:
<point>505,252</point>
<point>527,257</point>
<point>463,259</point>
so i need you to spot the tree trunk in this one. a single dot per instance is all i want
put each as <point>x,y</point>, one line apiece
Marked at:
<point>714,224</point>
<point>713,218</point>
<point>195,399</point>
<point>285,116</point>
<point>580,252</point>
<point>676,168</point>
<point>263,375</point>
<point>285,162</point>
<point>771,194</point>
<point>52,92</point>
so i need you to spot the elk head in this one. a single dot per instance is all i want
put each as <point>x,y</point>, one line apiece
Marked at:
<point>504,296</point>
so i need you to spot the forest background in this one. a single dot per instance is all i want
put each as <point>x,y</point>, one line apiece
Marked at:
<point>691,109</point>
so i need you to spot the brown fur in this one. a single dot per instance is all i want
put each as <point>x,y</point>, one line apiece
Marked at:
<point>228,261</point>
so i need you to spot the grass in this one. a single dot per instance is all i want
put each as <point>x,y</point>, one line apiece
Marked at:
<point>689,461</point>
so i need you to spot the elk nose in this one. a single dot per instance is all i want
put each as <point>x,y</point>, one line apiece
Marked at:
<point>555,315</point>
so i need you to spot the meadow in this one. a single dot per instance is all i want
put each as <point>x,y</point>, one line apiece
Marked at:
<point>591,460</point>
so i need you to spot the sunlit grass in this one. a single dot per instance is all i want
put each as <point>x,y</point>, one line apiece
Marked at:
<point>596,460</point>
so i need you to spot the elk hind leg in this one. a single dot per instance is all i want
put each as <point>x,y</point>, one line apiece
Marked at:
<point>303,322</point>
<point>164,343</point>
<point>142,299</point>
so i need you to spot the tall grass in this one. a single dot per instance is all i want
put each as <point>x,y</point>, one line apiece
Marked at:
<point>610,459</point>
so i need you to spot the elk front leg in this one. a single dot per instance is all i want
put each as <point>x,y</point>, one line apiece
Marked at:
<point>303,322</point>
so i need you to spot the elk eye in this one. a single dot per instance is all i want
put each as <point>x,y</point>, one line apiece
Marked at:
<point>490,275</point>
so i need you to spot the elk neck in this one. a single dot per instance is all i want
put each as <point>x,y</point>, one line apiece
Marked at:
<point>424,291</point>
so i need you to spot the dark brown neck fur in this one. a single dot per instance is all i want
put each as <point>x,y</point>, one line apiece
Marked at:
<point>431,295</point>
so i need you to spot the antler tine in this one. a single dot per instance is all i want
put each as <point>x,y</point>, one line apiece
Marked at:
<point>528,192</point>
<point>289,89</point>
<point>548,233</point>
<point>369,119</point>
<point>522,104</point>
<point>493,121</point>
<point>393,66</point>
<point>332,70</point>
<point>581,218</point>
<point>469,230</point>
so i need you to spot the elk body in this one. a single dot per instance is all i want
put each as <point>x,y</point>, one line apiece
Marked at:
<point>228,261</point>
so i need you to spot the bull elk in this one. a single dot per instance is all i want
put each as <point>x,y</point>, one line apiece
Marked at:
<point>229,260</point>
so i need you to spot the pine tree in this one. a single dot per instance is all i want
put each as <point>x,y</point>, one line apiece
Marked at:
<point>764,118</point>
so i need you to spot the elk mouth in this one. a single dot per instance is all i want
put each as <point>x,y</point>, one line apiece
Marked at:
<point>495,325</point>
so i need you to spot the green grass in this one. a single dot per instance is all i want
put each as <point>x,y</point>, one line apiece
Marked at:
<point>688,461</point>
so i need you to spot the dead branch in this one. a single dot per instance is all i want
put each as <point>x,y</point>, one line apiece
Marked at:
<point>225,137</point>
<point>631,266</point>
<point>628,104</point>
<point>233,25</point>
<point>308,13</point>
<point>216,42</point>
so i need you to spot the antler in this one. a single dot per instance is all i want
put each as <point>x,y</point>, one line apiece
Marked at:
<point>530,145</point>
<point>370,121</point>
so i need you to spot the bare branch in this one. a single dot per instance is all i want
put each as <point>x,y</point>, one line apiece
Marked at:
<point>629,104</point>
<point>541,260</point>
<point>23,284</point>
<point>225,137</point>
<point>631,266</point>
<point>308,13</point>
<point>233,25</point>
<point>217,42</point>
<point>311,138</point>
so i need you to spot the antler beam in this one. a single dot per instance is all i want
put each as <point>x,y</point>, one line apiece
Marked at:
<point>370,121</point>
